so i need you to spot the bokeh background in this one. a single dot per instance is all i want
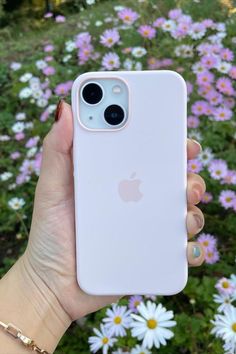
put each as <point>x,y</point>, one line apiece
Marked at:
<point>44,45</point>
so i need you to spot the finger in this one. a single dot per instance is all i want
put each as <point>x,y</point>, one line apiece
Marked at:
<point>195,254</point>
<point>196,187</point>
<point>56,169</point>
<point>193,148</point>
<point>195,220</point>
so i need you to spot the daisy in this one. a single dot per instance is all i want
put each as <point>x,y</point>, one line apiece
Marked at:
<point>139,349</point>
<point>117,320</point>
<point>225,286</point>
<point>227,198</point>
<point>168,25</point>
<point>152,324</point>
<point>208,241</point>
<point>205,156</point>
<point>16,203</point>
<point>225,326</point>
<point>138,52</point>
<point>109,37</point>
<point>212,256</point>
<point>134,301</point>
<point>103,339</point>
<point>218,169</point>
<point>111,61</point>
<point>194,166</point>
<point>206,198</point>
<point>224,301</point>
<point>128,16</point>
<point>147,31</point>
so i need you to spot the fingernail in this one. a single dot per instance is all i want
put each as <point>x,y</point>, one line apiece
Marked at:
<point>58,110</point>
<point>199,221</point>
<point>196,251</point>
<point>197,145</point>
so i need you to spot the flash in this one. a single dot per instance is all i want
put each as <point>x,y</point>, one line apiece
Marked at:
<point>116,89</point>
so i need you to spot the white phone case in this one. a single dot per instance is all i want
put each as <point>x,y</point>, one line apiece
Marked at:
<point>129,242</point>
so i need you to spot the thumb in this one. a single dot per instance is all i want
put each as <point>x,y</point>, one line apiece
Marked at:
<point>56,174</point>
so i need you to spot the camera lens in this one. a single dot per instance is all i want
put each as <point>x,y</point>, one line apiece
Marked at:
<point>114,114</point>
<point>92,93</point>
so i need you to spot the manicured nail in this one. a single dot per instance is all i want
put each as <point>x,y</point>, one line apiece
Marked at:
<point>199,221</point>
<point>58,110</point>
<point>198,145</point>
<point>196,251</point>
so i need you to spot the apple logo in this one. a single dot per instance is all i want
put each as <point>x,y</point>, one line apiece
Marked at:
<point>129,189</point>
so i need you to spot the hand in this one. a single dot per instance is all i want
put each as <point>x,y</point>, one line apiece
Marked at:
<point>50,253</point>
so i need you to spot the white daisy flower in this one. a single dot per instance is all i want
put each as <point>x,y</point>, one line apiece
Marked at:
<point>223,67</point>
<point>198,68</point>
<point>29,125</point>
<point>220,26</point>
<point>4,137</point>
<point>16,203</point>
<point>139,349</point>
<point>168,25</point>
<point>18,127</point>
<point>51,108</point>
<point>224,301</point>
<point>25,77</point>
<point>118,320</point>
<point>90,2</point>
<point>152,326</point>
<point>225,326</point>
<point>31,152</point>
<point>42,102</point>
<point>195,135</point>
<point>11,186</point>
<point>205,156</point>
<point>66,58</point>
<point>41,64</point>
<point>98,23</point>
<point>37,94</point>
<point>25,92</point>
<point>103,339</point>
<point>70,46</point>
<point>15,66</point>
<point>138,52</point>
<point>128,64</point>
<point>20,116</point>
<point>5,176</point>
<point>184,51</point>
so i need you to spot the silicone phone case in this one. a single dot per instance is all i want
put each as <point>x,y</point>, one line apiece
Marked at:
<point>133,246</point>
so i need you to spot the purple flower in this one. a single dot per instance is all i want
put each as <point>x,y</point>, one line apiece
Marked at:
<point>48,15</point>
<point>147,31</point>
<point>19,136</point>
<point>218,169</point>
<point>224,85</point>
<point>212,256</point>
<point>209,61</point>
<point>225,286</point>
<point>134,301</point>
<point>83,39</point>
<point>32,142</point>
<point>205,78</point>
<point>199,108</point>
<point>174,14</point>
<point>111,61</point>
<point>230,178</point>
<point>193,122</point>
<point>128,16</point>
<point>222,113</point>
<point>85,53</point>
<point>227,198</point>
<point>15,155</point>
<point>44,116</point>
<point>208,241</point>
<point>159,22</point>
<point>109,37</point>
<point>60,19</point>
<point>227,54</point>
<point>195,166</point>
<point>214,97</point>
<point>64,88</point>
<point>49,70</point>
<point>48,48</point>
<point>206,198</point>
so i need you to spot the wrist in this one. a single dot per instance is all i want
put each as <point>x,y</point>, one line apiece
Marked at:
<point>29,304</point>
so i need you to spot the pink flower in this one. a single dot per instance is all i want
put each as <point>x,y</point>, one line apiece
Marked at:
<point>205,78</point>
<point>225,286</point>
<point>64,88</point>
<point>48,58</point>
<point>195,166</point>
<point>212,256</point>
<point>224,85</point>
<point>19,136</point>
<point>209,61</point>
<point>159,22</point>
<point>174,14</point>
<point>222,113</point>
<point>227,54</point>
<point>227,198</point>
<point>111,61</point>
<point>147,31</point>
<point>60,19</point>
<point>206,198</point>
<point>214,97</point>
<point>193,122</point>
<point>218,169</point>
<point>207,241</point>
<point>48,48</point>
<point>44,116</point>
<point>199,108</point>
<point>232,72</point>
<point>128,16</point>
<point>230,178</point>
<point>49,70</point>
<point>48,15</point>
<point>32,142</point>
<point>15,155</point>
<point>83,39</point>
<point>109,37</point>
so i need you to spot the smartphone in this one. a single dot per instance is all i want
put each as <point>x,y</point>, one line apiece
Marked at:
<point>130,177</point>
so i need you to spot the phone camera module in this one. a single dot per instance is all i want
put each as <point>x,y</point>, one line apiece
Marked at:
<point>114,115</point>
<point>92,93</point>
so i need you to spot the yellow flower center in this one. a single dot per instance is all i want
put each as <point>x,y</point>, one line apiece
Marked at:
<point>234,326</point>
<point>146,32</point>
<point>152,324</point>
<point>194,166</point>
<point>218,172</point>
<point>206,243</point>
<point>136,303</point>
<point>105,340</point>
<point>111,62</point>
<point>225,284</point>
<point>110,40</point>
<point>117,320</point>
<point>210,254</point>
<point>228,199</point>
<point>127,18</point>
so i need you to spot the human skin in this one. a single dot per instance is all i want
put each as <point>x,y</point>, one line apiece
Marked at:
<point>40,293</point>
